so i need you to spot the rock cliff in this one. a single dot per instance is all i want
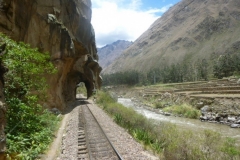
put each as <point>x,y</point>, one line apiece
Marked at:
<point>62,28</point>
<point>2,104</point>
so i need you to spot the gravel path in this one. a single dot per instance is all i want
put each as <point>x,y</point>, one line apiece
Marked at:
<point>124,143</point>
<point>69,146</point>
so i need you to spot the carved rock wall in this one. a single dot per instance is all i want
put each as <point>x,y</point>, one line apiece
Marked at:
<point>3,108</point>
<point>2,116</point>
<point>62,28</point>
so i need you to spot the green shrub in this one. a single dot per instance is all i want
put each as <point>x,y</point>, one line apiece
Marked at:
<point>118,118</point>
<point>161,104</point>
<point>104,99</point>
<point>142,135</point>
<point>230,149</point>
<point>184,110</point>
<point>158,105</point>
<point>29,127</point>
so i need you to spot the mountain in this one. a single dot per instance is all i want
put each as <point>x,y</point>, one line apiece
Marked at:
<point>110,52</point>
<point>189,31</point>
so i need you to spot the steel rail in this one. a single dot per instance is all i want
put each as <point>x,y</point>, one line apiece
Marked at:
<point>87,138</point>
<point>118,155</point>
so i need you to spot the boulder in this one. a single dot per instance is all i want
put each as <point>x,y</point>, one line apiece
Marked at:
<point>203,118</point>
<point>237,122</point>
<point>55,111</point>
<point>231,119</point>
<point>205,109</point>
<point>200,105</point>
<point>235,125</point>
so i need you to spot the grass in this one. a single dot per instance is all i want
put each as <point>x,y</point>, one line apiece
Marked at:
<point>161,104</point>
<point>184,110</point>
<point>165,139</point>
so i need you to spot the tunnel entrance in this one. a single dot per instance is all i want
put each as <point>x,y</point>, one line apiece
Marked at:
<point>81,89</point>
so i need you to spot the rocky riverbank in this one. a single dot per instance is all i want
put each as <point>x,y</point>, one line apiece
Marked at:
<point>218,101</point>
<point>207,112</point>
<point>222,118</point>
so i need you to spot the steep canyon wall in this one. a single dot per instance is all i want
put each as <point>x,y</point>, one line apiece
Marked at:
<point>62,28</point>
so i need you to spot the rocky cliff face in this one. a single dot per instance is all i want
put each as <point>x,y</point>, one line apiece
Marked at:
<point>190,30</point>
<point>110,52</point>
<point>62,28</point>
<point>2,104</point>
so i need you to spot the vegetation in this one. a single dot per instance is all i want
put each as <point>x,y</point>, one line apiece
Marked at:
<point>29,127</point>
<point>81,89</point>
<point>128,77</point>
<point>226,65</point>
<point>166,139</point>
<point>184,110</point>
<point>202,69</point>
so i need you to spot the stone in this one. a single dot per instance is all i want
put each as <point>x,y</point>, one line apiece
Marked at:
<point>167,114</point>
<point>167,95</point>
<point>205,109</point>
<point>203,118</point>
<point>231,119</point>
<point>218,118</point>
<point>200,105</point>
<point>237,122</point>
<point>235,125</point>
<point>63,29</point>
<point>238,82</point>
<point>55,111</point>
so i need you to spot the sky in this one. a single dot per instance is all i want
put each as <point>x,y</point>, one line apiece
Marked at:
<point>115,20</point>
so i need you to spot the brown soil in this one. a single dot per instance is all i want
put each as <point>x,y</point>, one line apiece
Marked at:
<point>54,149</point>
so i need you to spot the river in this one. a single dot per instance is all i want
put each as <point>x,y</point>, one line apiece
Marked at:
<point>184,123</point>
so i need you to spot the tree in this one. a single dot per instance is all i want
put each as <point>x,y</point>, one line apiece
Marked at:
<point>203,69</point>
<point>223,66</point>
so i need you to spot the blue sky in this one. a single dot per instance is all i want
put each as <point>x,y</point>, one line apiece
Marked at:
<point>149,4</point>
<point>115,20</point>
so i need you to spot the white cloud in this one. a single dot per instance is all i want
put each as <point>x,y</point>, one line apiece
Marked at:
<point>165,8</point>
<point>135,4</point>
<point>114,20</point>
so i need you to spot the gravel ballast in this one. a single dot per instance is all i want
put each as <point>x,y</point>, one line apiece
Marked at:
<point>123,141</point>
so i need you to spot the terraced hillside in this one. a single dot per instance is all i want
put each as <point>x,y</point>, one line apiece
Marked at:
<point>220,96</point>
<point>218,100</point>
<point>202,89</point>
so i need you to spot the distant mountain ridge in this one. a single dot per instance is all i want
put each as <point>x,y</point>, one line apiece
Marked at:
<point>110,52</point>
<point>189,31</point>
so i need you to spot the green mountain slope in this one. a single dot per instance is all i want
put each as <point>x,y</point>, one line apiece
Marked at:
<point>190,31</point>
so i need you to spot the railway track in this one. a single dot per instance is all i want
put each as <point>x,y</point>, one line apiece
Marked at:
<point>93,143</point>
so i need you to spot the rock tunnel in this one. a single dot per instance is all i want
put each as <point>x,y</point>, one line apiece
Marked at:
<point>63,29</point>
